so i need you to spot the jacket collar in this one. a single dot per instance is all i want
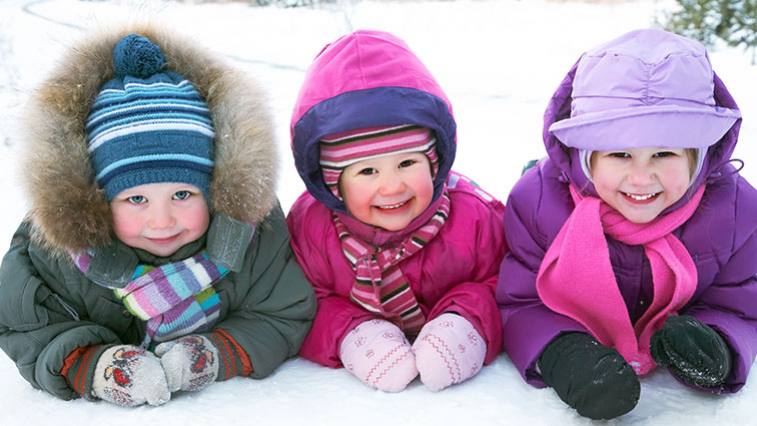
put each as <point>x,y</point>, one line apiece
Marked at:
<point>226,241</point>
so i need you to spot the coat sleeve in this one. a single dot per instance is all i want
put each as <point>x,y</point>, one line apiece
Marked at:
<point>528,325</point>
<point>336,314</point>
<point>270,322</point>
<point>729,305</point>
<point>474,299</point>
<point>39,322</point>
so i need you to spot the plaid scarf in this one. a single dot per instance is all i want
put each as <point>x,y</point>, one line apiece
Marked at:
<point>175,299</point>
<point>380,286</point>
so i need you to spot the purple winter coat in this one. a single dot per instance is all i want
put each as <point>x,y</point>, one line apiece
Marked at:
<point>720,236</point>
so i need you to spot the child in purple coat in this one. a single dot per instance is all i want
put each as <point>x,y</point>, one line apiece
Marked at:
<point>633,245</point>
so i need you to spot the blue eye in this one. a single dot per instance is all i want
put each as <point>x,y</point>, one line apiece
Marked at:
<point>181,195</point>
<point>137,199</point>
<point>663,154</point>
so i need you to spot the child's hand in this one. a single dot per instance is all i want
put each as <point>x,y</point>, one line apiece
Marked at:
<point>190,362</point>
<point>692,351</point>
<point>590,377</point>
<point>377,353</point>
<point>448,350</point>
<point>129,376</point>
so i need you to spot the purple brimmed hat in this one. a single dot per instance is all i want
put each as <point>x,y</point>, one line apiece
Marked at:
<point>646,88</point>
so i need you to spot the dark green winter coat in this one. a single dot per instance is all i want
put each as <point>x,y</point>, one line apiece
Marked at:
<point>48,308</point>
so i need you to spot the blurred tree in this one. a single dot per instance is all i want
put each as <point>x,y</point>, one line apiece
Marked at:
<point>741,25</point>
<point>734,21</point>
<point>697,19</point>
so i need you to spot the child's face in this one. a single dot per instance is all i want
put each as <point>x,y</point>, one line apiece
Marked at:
<point>160,217</point>
<point>641,182</point>
<point>389,191</point>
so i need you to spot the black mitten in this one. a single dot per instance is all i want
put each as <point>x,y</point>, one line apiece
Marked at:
<point>692,351</point>
<point>590,377</point>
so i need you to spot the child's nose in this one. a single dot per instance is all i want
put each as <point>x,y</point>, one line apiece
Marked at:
<point>391,183</point>
<point>162,217</point>
<point>641,174</point>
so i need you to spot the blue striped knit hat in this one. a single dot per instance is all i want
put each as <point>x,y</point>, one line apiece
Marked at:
<point>148,125</point>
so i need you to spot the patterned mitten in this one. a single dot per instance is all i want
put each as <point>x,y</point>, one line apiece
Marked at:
<point>378,354</point>
<point>448,350</point>
<point>190,362</point>
<point>129,376</point>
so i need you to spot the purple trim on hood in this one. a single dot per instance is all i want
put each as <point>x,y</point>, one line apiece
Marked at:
<point>381,106</point>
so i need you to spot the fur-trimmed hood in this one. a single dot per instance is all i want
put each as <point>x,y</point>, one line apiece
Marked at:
<point>68,210</point>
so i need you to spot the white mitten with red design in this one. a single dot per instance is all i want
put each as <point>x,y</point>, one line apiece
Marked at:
<point>448,350</point>
<point>377,353</point>
<point>190,362</point>
<point>128,376</point>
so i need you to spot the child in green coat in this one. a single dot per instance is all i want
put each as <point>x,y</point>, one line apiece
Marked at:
<point>155,257</point>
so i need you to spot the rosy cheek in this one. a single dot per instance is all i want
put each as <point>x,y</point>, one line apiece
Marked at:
<point>127,226</point>
<point>423,187</point>
<point>357,198</point>
<point>198,220</point>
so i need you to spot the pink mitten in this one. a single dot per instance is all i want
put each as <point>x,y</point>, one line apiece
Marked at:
<point>378,354</point>
<point>448,350</point>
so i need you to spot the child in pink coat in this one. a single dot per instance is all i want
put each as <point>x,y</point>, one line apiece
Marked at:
<point>398,248</point>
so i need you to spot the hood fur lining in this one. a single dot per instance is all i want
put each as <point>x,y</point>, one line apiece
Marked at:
<point>68,211</point>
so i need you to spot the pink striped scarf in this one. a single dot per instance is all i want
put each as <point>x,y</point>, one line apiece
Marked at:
<point>576,278</point>
<point>380,286</point>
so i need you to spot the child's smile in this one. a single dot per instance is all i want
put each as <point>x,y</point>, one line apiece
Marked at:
<point>160,217</point>
<point>640,183</point>
<point>389,191</point>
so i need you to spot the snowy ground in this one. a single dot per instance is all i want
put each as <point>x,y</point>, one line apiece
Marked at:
<point>499,62</point>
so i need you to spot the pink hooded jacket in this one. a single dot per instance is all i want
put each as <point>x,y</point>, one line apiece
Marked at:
<point>366,79</point>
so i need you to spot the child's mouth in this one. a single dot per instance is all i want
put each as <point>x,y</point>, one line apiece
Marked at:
<point>390,208</point>
<point>645,198</point>
<point>165,240</point>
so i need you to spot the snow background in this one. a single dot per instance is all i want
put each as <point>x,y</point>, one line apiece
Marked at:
<point>498,61</point>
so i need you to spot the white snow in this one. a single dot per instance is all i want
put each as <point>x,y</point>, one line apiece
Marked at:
<point>498,61</point>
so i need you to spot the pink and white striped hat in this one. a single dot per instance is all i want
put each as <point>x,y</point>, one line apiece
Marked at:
<point>344,149</point>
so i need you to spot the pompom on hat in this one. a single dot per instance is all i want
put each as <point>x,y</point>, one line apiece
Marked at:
<point>338,151</point>
<point>646,88</point>
<point>148,125</point>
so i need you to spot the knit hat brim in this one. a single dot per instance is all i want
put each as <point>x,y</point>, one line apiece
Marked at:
<point>342,150</point>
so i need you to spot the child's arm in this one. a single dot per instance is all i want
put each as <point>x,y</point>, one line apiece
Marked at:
<point>528,325</point>
<point>474,299</point>
<point>336,317</point>
<point>729,305</point>
<point>336,314</point>
<point>270,323</point>
<point>39,326</point>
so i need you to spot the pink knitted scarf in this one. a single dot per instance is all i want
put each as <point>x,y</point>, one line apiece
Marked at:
<point>380,286</point>
<point>576,278</point>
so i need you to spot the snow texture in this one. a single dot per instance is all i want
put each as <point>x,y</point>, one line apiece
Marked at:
<point>498,61</point>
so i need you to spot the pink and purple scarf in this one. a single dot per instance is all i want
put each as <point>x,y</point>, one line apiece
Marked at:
<point>576,278</point>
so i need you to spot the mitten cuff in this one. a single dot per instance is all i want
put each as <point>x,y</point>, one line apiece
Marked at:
<point>234,359</point>
<point>79,369</point>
